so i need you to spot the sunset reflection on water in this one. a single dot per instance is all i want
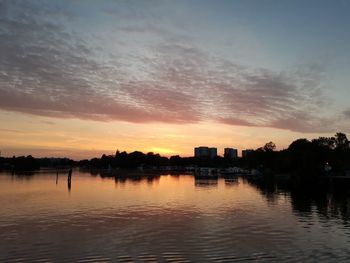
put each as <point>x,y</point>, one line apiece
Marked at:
<point>167,217</point>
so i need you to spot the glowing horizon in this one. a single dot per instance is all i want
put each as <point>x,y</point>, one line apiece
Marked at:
<point>82,78</point>
<point>77,139</point>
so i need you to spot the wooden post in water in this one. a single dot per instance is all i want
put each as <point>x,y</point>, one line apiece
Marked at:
<point>69,178</point>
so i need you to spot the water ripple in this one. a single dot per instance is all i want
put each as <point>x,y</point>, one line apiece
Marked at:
<point>174,220</point>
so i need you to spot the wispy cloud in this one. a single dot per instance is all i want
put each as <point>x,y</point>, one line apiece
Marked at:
<point>347,113</point>
<point>51,70</point>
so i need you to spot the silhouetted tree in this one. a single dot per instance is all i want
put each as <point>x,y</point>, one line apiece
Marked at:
<point>325,142</point>
<point>269,147</point>
<point>341,141</point>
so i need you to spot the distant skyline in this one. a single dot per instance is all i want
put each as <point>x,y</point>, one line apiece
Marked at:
<point>83,78</point>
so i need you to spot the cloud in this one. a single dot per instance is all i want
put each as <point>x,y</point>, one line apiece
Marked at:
<point>145,73</point>
<point>9,130</point>
<point>347,113</point>
<point>238,122</point>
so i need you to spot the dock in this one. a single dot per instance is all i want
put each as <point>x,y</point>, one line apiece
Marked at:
<point>345,177</point>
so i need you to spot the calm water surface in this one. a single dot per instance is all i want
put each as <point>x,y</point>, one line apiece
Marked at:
<point>167,219</point>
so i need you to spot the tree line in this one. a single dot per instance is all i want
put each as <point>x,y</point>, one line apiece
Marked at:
<point>30,163</point>
<point>302,157</point>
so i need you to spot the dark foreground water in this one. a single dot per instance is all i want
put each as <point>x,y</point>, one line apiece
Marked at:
<point>168,219</point>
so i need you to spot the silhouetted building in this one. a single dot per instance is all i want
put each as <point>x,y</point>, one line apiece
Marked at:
<point>213,152</point>
<point>204,151</point>
<point>201,151</point>
<point>230,153</point>
<point>245,153</point>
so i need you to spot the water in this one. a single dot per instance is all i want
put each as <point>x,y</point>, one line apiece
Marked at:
<point>167,219</point>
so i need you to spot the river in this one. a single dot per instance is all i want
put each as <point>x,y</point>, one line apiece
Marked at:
<point>168,218</point>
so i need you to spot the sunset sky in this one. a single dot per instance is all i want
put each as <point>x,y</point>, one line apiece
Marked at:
<point>82,78</point>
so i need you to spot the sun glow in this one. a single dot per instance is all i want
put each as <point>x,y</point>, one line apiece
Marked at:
<point>78,139</point>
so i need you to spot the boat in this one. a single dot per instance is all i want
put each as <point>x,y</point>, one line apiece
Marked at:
<point>206,173</point>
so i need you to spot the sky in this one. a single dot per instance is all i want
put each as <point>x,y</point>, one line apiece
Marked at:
<point>83,78</point>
